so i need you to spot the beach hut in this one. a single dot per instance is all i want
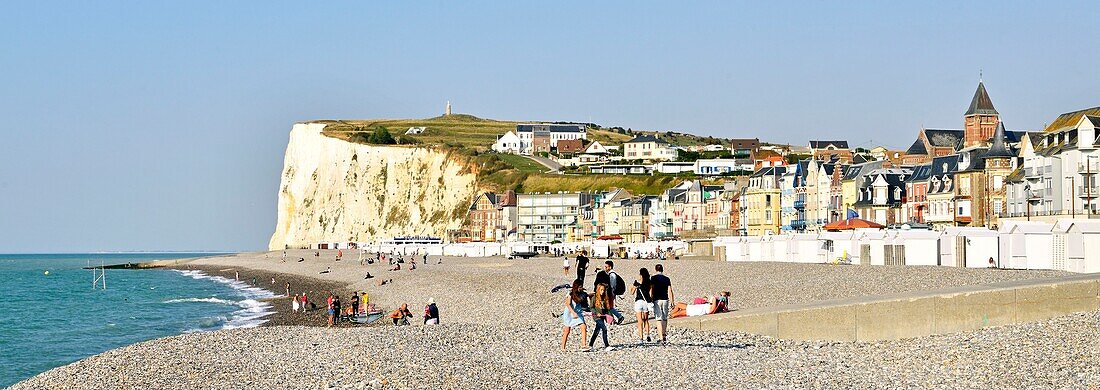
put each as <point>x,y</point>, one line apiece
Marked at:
<point>969,247</point>
<point>1076,245</point>
<point>776,247</point>
<point>754,248</point>
<point>918,247</point>
<point>871,242</point>
<point>1029,245</point>
<point>839,246</point>
<point>805,248</point>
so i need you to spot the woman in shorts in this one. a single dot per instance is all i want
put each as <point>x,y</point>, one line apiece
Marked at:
<point>573,315</point>
<point>642,303</point>
<point>565,266</point>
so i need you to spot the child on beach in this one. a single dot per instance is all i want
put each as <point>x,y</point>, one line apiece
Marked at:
<point>601,308</point>
<point>431,313</point>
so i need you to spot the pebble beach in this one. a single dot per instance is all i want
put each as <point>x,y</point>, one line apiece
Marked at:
<point>500,329</point>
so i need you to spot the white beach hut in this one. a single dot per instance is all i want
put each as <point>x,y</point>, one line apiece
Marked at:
<point>839,245</point>
<point>1029,245</point>
<point>805,248</point>
<point>969,247</point>
<point>1076,245</point>
<point>755,248</point>
<point>778,248</point>
<point>871,243</point>
<point>920,247</point>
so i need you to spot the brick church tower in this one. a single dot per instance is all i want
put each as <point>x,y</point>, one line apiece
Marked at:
<point>981,119</point>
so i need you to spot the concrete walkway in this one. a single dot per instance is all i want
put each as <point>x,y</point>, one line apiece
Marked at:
<point>913,314</point>
<point>548,163</point>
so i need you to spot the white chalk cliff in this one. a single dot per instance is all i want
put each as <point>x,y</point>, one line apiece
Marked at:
<point>337,191</point>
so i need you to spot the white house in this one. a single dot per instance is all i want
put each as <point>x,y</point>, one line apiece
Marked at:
<point>648,147</point>
<point>595,153</point>
<point>714,148</point>
<point>509,143</point>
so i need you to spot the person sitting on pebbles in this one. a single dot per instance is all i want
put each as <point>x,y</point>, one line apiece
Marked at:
<point>401,315</point>
<point>384,282</point>
<point>396,267</point>
<point>431,313</point>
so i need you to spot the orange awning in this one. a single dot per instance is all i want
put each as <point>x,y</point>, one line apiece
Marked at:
<point>852,223</point>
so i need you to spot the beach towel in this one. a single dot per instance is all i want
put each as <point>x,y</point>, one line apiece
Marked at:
<point>698,310</point>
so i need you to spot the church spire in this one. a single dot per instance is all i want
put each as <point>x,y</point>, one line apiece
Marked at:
<point>999,149</point>
<point>981,104</point>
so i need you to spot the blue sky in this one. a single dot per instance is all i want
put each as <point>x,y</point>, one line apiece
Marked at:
<point>161,126</point>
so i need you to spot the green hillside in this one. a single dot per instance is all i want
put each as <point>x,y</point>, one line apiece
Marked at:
<point>469,137</point>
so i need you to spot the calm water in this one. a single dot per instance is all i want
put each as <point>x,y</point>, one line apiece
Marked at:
<point>52,320</point>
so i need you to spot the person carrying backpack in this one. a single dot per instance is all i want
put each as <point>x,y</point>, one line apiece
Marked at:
<point>616,285</point>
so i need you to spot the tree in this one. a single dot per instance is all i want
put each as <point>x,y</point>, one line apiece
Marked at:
<point>381,136</point>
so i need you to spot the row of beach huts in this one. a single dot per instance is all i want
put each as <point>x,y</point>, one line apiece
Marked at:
<point>1067,245</point>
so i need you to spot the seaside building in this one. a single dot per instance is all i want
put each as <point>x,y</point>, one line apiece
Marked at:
<point>916,193</point>
<point>484,217</point>
<point>649,148</point>
<point>761,202</point>
<point>509,143</point>
<point>537,137</point>
<point>549,217</point>
<point>1059,170</point>
<point>831,150</point>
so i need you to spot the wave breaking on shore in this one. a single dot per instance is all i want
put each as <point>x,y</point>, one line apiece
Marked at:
<point>252,311</point>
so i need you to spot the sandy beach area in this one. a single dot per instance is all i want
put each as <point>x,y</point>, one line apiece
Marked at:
<point>500,328</point>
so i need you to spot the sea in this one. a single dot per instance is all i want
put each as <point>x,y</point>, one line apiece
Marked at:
<point>50,314</point>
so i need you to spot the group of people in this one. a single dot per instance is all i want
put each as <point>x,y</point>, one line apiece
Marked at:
<point>401,315</point>
<point>651,295</point>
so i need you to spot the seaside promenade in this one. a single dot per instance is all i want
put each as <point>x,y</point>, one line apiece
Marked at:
<point>500,329</point>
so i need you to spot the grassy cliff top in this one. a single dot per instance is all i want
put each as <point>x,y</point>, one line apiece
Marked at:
<point>469,137</point>
<point>470,132</point>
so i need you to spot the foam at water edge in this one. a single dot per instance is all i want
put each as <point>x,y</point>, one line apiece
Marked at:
<point>252,310</point>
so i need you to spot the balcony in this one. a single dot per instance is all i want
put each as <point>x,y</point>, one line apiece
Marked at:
<point>1086,192</point>
<point>1091,168</point>
<point>800,204</point>
<point>1033,171</point>
<point>798,224</point>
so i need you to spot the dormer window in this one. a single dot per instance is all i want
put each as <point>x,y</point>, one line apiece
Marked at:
<point>897,193</point>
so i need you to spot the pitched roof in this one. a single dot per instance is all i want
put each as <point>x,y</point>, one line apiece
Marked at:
<point>825,144</point>
<point>920,173</point>
<point>981,104</point>
<point>551,127</point>
<point>1094,119</point>
<point>917,148</point>
<point>999,149</point>
<point>647,138</point>
<point>944,138</point>
<point>1070,119</point>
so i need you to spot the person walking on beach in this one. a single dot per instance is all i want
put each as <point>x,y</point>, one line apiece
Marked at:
<point>640,290</point>
<point>363,301</point>
<point>331,314</point>
<point>573,315</point>
<point>601,306</point>
<point>565,265</point>
<point>660,291</point>
<point>294,303</point>
<point>582,266</point>
<point>288,289</point>
<point>615,285</point>
<point>305,302</point>
<point>355,303</point>
<point>335,309</point>
<point>431,313</point>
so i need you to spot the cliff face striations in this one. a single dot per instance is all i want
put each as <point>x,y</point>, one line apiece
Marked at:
<point>337,191</point>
